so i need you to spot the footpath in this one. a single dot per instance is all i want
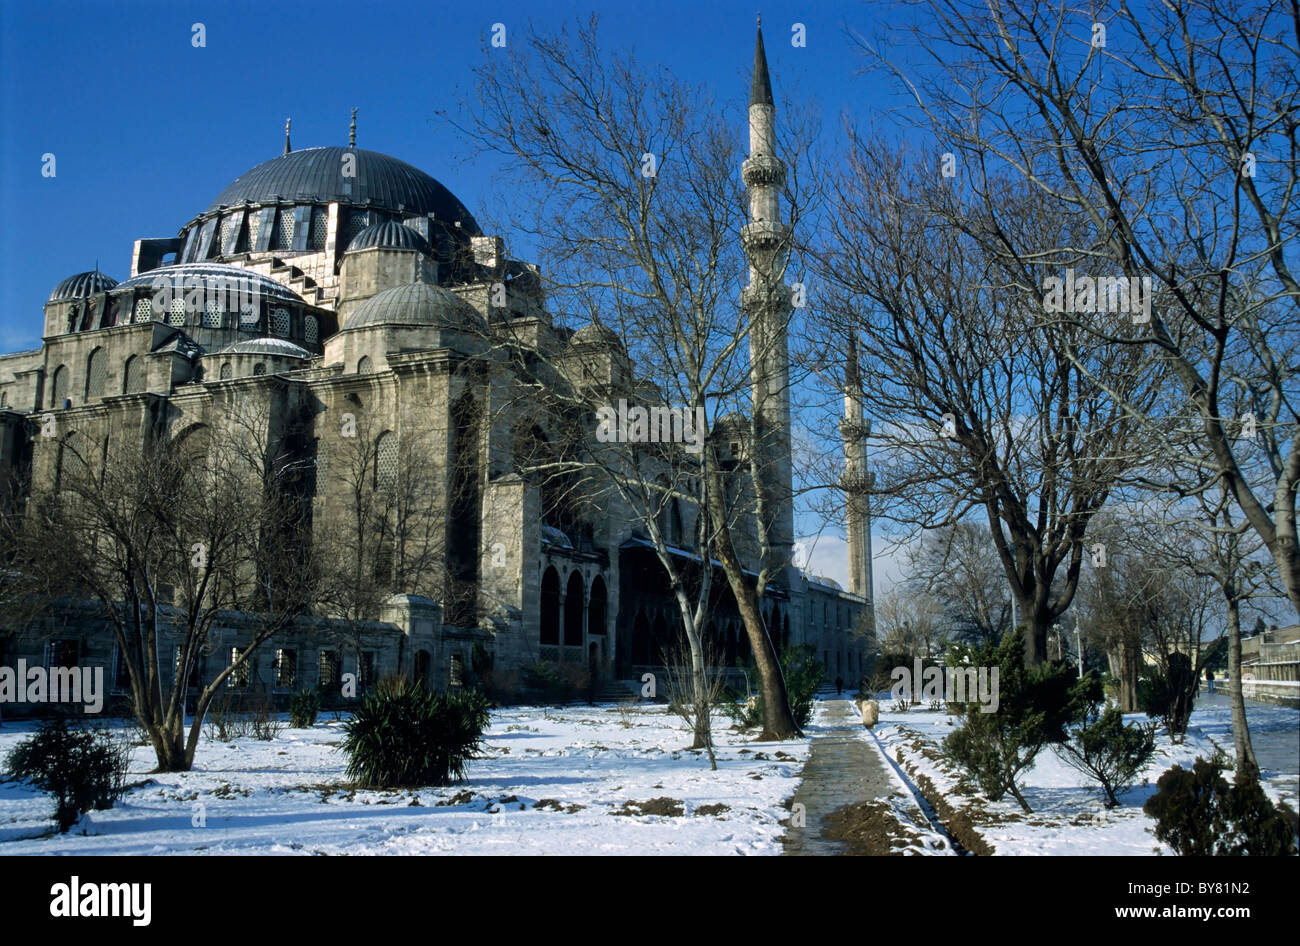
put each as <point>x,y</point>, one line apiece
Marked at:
<point>848,794</point>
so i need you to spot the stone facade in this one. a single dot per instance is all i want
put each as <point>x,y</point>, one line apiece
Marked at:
<point>323,300</point>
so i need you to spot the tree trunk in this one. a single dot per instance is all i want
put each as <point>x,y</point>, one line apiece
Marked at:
<point>1247,767</point>
<point>778,720</point>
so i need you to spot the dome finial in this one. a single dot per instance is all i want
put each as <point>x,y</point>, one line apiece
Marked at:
<point>352,131</point>
<point>287,149</point>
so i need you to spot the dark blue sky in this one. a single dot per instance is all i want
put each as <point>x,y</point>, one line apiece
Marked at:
<point>147,129</point>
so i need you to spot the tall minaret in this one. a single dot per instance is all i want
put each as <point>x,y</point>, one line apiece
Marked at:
<point>766,301</point>
<point>856,480</point>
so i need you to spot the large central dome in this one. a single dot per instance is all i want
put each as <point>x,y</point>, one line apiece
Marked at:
<point>315,175</point>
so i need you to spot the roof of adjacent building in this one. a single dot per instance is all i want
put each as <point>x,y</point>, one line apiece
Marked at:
<point>416,304</point>
<point>316,175</point>
<point>81,285</point>
<point>389,235</point>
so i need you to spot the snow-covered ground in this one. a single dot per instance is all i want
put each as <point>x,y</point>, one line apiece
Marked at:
<point>595,780</point>
<point>1068,815</point>
<point>571,781</point>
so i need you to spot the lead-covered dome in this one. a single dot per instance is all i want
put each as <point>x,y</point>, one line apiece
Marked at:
<point>417,304</point>
<point>389,236</point>
<point>81,286</point>
<point>183,278</point>
<point>315,175</point>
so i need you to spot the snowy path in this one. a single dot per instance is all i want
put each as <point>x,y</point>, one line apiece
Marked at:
<point>853,800</point>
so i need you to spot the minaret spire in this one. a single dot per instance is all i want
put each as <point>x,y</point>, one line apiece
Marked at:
<point>766,301</point>
<point>352,131</point>
<point>856,481</point>
<point>760,90</point>
<point>287,149</point>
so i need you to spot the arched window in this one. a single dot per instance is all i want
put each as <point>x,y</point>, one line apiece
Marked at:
<point>363,366</point>
<point>96,370</point>
<point>143,309</point>
<point>573,603</point>
<point>319,224</point>
<point>176,314</point>
<point>133,379</point>
<point>259,368</point>
<point>248,316</point>
<point>59,387</point>
<point>386,461</point>
<point>226,371</point>
<point>596,609</point>
<point>310,330</point>
<point>550,615</point>
<point>212,314</point>
<point>282,238</point>
<point>280,322</point>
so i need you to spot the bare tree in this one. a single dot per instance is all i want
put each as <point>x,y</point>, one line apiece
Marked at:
<point>1171,129</point>
<point>386,527</point>
<point>165,536</point>
<point>632,178</point>
<point>960,568</point>
<point>976,405</point>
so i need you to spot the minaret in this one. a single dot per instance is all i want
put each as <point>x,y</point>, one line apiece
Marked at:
<point>856,480</point>
<point>766,301</point>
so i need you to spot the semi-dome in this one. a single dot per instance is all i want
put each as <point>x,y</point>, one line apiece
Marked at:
<point>597,333</point>
<point>272,347</point>
<point>81,286</point>
<point>214,277</point>
<point>389,235</point>
<point>315,175</point>
<point>417,304</point>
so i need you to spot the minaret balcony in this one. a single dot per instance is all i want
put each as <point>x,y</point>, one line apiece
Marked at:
<point>766,298</point>
<point>764,235</point>
<point>763,170</point>
<point>857,484</point>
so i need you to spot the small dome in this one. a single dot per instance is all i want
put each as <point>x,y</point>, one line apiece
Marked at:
<point>212,277</point>
<point>390,236</point>
<point>417,304</point>
<point>81,285</point>
<point>273,347</point>
<point>597,334</point>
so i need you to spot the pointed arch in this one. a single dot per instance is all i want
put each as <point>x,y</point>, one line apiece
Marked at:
<point>574,595</point>
<point>549,618</point>
<point>597,607</point>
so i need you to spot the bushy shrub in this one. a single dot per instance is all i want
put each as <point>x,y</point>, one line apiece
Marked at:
<point>303,709</point>
<point>405,737</point>
<point>1108,751</point>
<point>1198,813</point>
<point>803,674</point>
<point>81,768</point>
<point>1169,693</point>
<point>1034,708</point>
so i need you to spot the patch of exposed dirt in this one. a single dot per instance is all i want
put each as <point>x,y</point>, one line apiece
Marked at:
<point>867,828</point>
<point>460,798</point>
<point>664,806</point>
<point>713,810</point>
<point>556,805</point>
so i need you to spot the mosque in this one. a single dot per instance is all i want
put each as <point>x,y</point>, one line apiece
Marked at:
<point>338,283</point>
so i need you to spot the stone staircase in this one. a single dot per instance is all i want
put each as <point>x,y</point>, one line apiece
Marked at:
<point>617,691</point>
